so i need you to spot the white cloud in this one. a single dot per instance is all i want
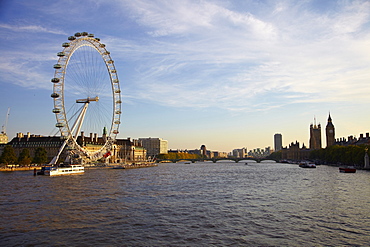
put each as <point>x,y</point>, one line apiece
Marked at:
<point>30,28</point>
<point>233,55</point>
<point>353,17</point>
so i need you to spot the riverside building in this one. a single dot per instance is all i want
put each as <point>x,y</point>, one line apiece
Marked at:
<point>3,138</point>
<point>123,150</point>
<point>154,146</point>
<point>315,136</point>
<point>239,153</point>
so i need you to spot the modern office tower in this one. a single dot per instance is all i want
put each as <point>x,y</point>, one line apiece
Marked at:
<point>203,150</point>
<point>154,146</point>
<point>278,142</point>
<point>315,136</point>
<point>330,133</point>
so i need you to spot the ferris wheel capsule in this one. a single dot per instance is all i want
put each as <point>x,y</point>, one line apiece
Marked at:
<point>56,110</point>
<point>55,95</point>
<point>59,125</point>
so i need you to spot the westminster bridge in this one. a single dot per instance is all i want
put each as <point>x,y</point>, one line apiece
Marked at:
<point>214,160</point>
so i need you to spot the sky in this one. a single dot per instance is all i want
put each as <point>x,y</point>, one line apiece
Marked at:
<point>226,74</point>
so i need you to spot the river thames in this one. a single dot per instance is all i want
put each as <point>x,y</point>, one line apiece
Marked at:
<point>202,204</point>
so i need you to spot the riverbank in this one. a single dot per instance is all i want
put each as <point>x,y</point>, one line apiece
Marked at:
<point>132,166</point>
<point>108,166</point>
<point>22,168</point>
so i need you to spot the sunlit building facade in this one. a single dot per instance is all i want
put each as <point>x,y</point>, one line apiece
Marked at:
<point>122,151</point>
<point>154,146</point>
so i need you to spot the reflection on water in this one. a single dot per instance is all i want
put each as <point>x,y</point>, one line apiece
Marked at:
<point>188,205</point>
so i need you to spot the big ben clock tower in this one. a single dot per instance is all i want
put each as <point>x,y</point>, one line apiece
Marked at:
<point>330,133</point>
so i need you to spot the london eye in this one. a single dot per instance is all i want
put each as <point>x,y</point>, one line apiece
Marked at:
<point>86,95</point>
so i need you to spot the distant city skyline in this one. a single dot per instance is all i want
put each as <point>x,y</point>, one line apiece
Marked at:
<point>226,74</point>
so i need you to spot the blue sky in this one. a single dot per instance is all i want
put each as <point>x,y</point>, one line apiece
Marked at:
<point>227,74</point>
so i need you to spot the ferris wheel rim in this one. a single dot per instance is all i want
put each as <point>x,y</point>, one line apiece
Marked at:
<point>76,42</point>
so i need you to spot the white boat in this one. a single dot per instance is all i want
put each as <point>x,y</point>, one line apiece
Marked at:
<point>307,165</point>
<point>62,170</point>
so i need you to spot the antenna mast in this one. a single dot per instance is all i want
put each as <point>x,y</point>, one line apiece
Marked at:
<point>3,131</point>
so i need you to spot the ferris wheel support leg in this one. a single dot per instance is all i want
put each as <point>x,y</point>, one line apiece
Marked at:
<point>77,123</point>
<point>56,157</point>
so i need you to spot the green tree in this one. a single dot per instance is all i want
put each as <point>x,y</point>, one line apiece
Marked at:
<point>24,157</point>
<point>347,155</point>
<point>173,156</point>
<point>275,156</point>
<point>8,156</point>
<point>40,156</point>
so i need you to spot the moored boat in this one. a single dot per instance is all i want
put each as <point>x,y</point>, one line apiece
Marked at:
<point>307,165</point>
<point>347,169</point>
<point>119,167</point>
<point>61,170</point>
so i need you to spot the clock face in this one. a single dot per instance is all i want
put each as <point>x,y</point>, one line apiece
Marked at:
<point>330,131</point>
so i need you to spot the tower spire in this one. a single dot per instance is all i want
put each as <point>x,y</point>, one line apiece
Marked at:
<point>330,132</point>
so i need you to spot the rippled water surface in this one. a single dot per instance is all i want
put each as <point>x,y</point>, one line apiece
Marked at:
<point>203,204</point>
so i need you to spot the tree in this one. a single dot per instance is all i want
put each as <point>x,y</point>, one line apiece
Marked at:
<point>174,156</point>
<point>24,157</point>
<point>8,156</point>
<point>40,156</point>
<point>275,156</point>
<point>347,155</point>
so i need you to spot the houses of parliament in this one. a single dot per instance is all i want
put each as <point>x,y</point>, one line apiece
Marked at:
<point>294,152</point>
